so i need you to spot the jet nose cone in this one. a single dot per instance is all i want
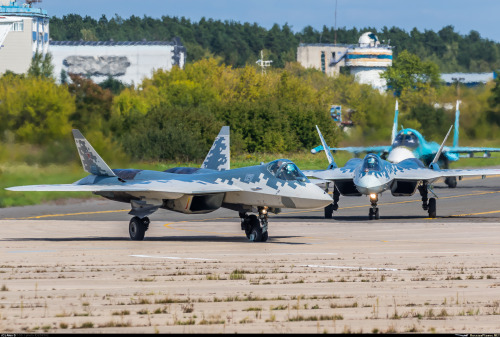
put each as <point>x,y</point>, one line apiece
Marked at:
<point>368,184</point>
<point>399,154</point>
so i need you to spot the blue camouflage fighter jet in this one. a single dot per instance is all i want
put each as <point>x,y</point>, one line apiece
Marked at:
<point>409,143</point>
<point>372,176</point>
<point>260,189</point>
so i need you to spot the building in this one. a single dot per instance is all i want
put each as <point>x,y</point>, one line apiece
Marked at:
<point>468,79</point>
<point>128,62</point>
<point>26,35</point>
<point>366,60</point>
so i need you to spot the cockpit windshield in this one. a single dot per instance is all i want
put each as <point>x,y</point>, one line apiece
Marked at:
<point>285,170</point>
<point>371,163</point>
<point>407,139</point>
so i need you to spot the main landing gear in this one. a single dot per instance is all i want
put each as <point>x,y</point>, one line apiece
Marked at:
<point>428,205</point>
<point>138,227</point>
<point>333,206</point>
<point>374,213</point>
<point>255,227</point>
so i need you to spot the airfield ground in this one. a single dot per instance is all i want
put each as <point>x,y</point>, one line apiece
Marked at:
<point>72,268</point>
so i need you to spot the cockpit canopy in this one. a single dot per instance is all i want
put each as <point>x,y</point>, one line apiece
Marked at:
<point>371,163</point>
<point>407,139</point>
<point>285,170</point>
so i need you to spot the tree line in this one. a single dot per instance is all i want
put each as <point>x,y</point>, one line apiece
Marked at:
<point>238,44</point>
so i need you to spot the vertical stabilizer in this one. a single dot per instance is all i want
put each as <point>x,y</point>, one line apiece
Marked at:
<point>218,158</point>
<point>91,161</point>
<point>329,156</point>
<point>457,118</point>
<point>395,124</point>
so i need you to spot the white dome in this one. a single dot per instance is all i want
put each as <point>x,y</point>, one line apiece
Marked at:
<point>368,39</point>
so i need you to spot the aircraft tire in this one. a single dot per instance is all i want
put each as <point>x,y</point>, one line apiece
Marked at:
<point>329,211</point>
<point>250,222</point>
<point>265,236</point>
<point>451,182</point>
<point>377,214</point>
<point>370,214</point>
<point>256,234</point>
<point>432,208</point>
<point>136,229</point>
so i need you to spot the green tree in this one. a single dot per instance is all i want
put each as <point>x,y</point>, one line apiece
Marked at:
<point>41,66</point>
<point>34,109</point>
<point>409,72</point>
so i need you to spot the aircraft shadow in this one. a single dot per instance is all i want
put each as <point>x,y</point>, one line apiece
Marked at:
<point>214,238</point>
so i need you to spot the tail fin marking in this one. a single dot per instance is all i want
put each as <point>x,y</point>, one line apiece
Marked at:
<point>218,158</point>
<point>91,161</point>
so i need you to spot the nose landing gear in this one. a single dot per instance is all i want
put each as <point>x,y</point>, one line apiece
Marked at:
<point>374,213</point>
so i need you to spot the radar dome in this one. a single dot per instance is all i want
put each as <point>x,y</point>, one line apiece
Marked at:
<point>368,39</point>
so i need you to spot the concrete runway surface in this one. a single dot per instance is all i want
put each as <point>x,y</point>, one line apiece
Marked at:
<point>71,267</point>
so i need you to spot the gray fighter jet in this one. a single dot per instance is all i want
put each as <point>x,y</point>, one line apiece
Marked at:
<point>372,176</point>
<point>260,189</point>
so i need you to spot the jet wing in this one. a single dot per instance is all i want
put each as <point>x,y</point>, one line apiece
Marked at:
<point>170,188</point>
<point>427,174</point>
<point>471,150</point>
<point>356,150</point>
<point>332,174</point>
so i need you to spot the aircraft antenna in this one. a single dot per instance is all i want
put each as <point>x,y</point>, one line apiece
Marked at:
<point>30,2</point>
<point>263,63</point>
<point>438,154</point>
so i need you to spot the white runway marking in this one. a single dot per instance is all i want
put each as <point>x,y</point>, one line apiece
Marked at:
<point>173,257</point>
<point>344,267</point>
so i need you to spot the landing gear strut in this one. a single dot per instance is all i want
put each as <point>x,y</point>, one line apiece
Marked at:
<point>333,206</point>
<point>428,205</point>
<point>138,227</point>
<point>255,227</point>
<point>374,213</point>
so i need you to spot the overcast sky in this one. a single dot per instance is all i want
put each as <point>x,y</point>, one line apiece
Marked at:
<point>464,15</point>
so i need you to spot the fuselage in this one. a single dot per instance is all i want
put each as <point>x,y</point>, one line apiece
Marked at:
<point>279,184</point>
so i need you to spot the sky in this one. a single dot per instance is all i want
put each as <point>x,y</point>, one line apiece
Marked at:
<point>463,15</point>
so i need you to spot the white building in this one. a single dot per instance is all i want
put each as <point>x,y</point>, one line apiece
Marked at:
<point>128,62</point>
<point>366,60</point>
<point>25,31</point>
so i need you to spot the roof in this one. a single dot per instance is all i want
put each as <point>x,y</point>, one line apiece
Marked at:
<point>468,77</point>
<point>116,43</point>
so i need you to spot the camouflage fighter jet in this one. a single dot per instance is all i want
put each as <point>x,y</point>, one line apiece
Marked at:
<point>262,188</point>
<point>372,176</point>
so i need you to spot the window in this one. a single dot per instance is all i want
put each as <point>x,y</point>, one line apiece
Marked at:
<point>17,26</point>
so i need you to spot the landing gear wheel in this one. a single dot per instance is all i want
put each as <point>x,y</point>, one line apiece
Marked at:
<point>137,228</point>
<point>329,211</point>
<point>256,234</point>
<point>432,207</point>
<point>451,182</point>
<point>250,222</point>
<point>374,214</point>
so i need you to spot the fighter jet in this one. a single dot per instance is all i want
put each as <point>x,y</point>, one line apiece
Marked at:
<point>261,189</point>
<point>409,143</point>
<point>373,175</point>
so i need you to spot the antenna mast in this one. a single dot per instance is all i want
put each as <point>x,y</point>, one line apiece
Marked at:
<point>262,63</point>
<point>336,21</point>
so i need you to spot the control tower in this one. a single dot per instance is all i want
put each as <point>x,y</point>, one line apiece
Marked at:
<point>368,60</point>
<point>25,33</point>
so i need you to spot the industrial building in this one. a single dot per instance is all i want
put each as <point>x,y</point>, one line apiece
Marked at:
<point>366,60</point>
<point>128,62</point>
<point>24,31</point>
